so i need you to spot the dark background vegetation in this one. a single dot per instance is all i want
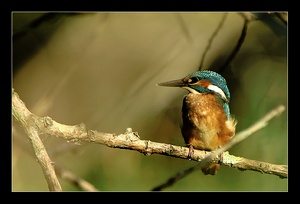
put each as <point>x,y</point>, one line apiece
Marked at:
<point>101,69</point>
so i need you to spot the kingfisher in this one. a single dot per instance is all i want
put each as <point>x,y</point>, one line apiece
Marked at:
<point>206,120</point>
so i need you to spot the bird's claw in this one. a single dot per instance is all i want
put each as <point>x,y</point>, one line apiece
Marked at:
<point>191,151</point>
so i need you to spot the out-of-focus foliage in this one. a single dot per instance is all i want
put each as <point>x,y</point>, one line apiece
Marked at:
<point>101,69</point>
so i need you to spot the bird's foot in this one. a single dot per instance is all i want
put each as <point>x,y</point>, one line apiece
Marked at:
<point>221,157</point>
<point>191,151</point>
<point>211,169</point>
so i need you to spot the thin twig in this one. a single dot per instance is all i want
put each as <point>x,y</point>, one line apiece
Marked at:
<point>243,134</point>
<point>74,179</point>
<point>211,40</point>
<point>237,47</point>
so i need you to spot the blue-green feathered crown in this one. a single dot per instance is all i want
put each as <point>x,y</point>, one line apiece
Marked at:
<point>214,78</point>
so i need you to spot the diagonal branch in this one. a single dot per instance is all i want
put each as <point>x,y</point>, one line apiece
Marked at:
<point>27,121</point>
<point>237,162</point>
<point>243,135</point>
<point>74,179</point>
<point>131,141</point>
<point>60,170</point>
<point>237,47</point>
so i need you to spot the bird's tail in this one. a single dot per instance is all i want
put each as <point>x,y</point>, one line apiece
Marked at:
<point>211,169</point>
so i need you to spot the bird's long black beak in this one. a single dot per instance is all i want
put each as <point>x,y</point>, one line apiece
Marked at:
<point>173,83</point>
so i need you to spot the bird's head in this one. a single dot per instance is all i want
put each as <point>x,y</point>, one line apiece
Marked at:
<point>205,81</point>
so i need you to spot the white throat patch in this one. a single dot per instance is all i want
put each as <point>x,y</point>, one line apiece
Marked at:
<point>191,90</point>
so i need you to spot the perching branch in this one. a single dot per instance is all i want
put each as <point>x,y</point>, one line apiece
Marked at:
<point>243,135</point>
<point>236,162</point>
<point>129,140</point>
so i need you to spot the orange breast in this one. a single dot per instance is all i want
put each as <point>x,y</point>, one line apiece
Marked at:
<point>204,122</point>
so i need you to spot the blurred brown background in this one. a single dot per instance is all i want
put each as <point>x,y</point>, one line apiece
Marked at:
<point>101,69</point>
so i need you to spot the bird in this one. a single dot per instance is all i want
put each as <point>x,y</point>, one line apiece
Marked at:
<point>207,123</point>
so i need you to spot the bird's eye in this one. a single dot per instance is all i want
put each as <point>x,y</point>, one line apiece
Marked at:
<point>192,80</point>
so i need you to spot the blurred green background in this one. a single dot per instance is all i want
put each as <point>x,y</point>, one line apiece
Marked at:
<point>101,69</point>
